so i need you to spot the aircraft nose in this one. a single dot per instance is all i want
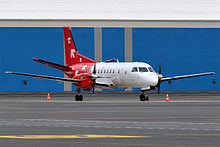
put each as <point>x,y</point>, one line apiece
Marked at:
<point>154,80</point>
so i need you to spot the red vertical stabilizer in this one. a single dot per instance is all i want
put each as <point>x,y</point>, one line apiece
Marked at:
<point>71,53</point>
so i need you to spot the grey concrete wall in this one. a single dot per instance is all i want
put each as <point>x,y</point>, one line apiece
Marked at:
<point>128,45</point>
<point>128,48</point>
<point>98,43</point>
<point>98,47</point>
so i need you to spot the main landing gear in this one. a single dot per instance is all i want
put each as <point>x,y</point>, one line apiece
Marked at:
<point>143,96</point>
<point>77,96</point>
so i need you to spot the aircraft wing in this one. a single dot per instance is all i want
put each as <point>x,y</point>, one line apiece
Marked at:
<point>46,77</point>
<point>186,76</point>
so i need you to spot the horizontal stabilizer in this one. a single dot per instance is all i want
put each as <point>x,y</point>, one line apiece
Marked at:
<point>186,76</point>
<point>60,67</point>
<point>45,77</point>
<point>111,60</point>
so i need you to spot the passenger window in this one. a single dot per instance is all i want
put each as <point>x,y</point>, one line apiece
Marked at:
<point>150,69</point>
<point>119,71</point>
<point>135,69</point>
<point>107,71</point>
<point>113,71</point>
<point>104,70</point>
<point>110,71</point>
<point>126,72</point>
<point>143,69</point>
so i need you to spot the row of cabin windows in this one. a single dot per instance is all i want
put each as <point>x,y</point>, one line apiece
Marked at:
<point>142,69</point>
<point>135,69</point>
<point>107,71</point>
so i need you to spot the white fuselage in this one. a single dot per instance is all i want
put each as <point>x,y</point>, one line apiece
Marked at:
<point>126,74</point>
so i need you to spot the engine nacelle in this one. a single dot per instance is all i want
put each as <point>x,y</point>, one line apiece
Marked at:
<point>86,82</point>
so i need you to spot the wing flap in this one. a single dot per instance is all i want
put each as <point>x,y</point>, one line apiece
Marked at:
<point>186,76</point>
<point>45,77</point>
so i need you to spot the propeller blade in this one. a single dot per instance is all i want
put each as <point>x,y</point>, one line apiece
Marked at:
<point>94,70</point>
<point>158,89</point>
<point>159,79</point>
<point>160,69</point>
<point>93,90</point>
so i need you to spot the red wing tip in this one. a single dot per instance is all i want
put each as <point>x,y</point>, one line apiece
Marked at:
<point>35,59</point>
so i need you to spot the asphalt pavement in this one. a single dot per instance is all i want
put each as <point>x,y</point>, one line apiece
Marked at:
<point>110,119</point>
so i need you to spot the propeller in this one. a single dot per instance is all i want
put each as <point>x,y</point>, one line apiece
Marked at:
<point>94,77</point>
<point>93,83</point>
<point>159,79</point>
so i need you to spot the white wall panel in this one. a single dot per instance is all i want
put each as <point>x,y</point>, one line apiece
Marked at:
<point>110,9</point>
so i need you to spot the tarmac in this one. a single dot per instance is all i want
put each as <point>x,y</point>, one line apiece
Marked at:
<point>107,119</point>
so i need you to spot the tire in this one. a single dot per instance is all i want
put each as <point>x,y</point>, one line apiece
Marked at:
<point>76,98</point>
<point>142,97</point>
<point>147,98</point>
<point>80,98</point>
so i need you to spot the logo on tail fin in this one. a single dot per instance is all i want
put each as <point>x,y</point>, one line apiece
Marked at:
<point>72,53</point>
<point>69,40</point>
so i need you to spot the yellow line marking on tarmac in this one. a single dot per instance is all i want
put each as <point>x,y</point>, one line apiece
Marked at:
<point>192,134</point>
<point>69,136</point>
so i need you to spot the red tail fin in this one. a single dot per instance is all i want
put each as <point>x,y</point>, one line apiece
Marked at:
<point>71,53</point>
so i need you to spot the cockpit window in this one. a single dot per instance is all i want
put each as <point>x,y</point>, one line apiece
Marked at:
<point>143,69</point>
<point>135,69</point>
<point>150,69</point>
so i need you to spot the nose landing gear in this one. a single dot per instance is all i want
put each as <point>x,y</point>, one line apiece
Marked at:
<point>143,96</point>
<point>77,96</point>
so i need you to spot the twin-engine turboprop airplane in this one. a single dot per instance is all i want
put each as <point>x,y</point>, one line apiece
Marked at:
<point>87,74</point>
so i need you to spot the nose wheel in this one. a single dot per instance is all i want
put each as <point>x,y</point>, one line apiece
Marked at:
<point>77,96</point>
<point>144,97</point>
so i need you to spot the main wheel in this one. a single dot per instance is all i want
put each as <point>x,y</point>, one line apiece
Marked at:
<point>80,98</point>
<point>76,97</point>
<point>147,98</point>
<point>142,97</point>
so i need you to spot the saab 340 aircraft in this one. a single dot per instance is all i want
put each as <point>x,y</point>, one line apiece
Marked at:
<point>87,74</point>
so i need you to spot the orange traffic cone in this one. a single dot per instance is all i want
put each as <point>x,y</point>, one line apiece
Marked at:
<point>167,98</point>
<point>48,97</point>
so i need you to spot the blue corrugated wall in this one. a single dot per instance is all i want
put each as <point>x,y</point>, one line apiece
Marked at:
<point>181,51</point>
<point>17,48</point>
<point>113,44</point>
